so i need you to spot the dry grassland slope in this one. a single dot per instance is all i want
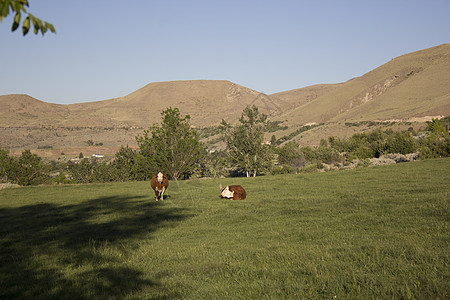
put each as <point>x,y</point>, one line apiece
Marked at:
<point>412,85</point>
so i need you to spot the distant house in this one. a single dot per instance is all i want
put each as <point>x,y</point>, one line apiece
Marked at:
<point>98,155</point>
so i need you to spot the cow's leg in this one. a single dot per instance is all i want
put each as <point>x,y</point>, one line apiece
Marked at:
<point>162,193</point>
<point>156,195</point>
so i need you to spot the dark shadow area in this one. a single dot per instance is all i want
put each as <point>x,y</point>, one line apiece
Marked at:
<point>58,252</point>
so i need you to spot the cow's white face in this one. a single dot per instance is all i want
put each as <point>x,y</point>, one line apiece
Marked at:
<point>160,177</point>
<point>226,193</point>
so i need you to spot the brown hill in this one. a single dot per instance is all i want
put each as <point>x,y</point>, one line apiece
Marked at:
<point>295,98</point>
<point>23,110</point>
<point>206,101</point>
<point>412,85</point>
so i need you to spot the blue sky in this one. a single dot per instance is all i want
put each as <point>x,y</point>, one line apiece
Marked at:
<point>105,49</point>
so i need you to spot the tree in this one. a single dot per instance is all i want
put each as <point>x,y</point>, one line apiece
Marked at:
<point>6,165</point>
<point>245,142</point>
<point>124,163</point>
<point>30,169</point>
<point>290,155</point>
<point>18,7</point>
<point>435,129</point>
<point>437,143</point>
<point>172,147</point>
<point>82,171</point>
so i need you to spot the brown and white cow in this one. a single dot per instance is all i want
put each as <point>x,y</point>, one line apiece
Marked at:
<point>159,184</point>
<point>233,192</point>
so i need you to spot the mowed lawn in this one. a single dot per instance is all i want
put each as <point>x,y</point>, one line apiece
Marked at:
<point>378,232</point>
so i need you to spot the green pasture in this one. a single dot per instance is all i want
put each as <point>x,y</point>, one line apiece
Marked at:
<point>369,233</point>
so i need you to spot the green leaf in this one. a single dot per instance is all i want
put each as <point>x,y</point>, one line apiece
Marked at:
<point>4,10</point>
<point>44,29</point>
<point>18,6</point>
<point>26,26</point>
<point>40,24</point>
<point>49,26</point>
<point>35,24</point>
<point>16,22</point>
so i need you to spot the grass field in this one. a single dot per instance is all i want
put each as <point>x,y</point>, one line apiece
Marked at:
<point>370,233</point>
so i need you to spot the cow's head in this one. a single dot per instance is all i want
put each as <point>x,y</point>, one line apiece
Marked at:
<point>226,193</point>
<point>160,177</point>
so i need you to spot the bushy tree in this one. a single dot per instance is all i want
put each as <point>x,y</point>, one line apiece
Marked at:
<point>436,129</point>
<point>437,142</point>
<point>29,169</point>
<point>290,156</point>
<point>402,142</point>
<point>124,164</point>
<point>326,154</point>
<point>7,164</point>
<point>434,148</point>
<point>82,171</point>
<point>375,143</point>
<point>213,165</point>
<point>172,147</point>
<point>245,142</point>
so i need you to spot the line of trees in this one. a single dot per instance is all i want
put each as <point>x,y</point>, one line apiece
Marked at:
<point>175,148</point>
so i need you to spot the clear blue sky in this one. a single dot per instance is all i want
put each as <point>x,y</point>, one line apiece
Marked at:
<point>109,48</point>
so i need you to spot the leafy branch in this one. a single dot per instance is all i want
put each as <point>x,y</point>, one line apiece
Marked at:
<point>18,7</point>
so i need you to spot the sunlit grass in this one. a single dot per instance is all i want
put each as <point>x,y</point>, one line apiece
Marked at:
<point>378,232</point>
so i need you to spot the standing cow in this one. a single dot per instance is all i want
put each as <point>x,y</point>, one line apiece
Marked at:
<point>234,192</point>
<point>159,184</point>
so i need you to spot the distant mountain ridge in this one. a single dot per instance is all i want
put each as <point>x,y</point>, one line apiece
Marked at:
<point>411,86</point>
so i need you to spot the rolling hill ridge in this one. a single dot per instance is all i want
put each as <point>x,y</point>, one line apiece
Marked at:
<point>413,87</point>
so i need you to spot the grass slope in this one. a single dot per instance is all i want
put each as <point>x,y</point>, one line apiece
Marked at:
<point>411,85</point>
<point>379,232</point>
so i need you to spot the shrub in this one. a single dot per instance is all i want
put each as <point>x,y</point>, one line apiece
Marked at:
<point>309,168</point>
<point>401,142</point>
<point>434,147</point>
<point>29,169</point>
<point>375,143</point>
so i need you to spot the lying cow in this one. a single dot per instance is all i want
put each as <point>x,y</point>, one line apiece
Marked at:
<point>233,192</point>
<point>159,184</point>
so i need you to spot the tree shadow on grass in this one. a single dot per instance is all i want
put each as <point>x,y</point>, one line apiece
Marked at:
<point>77,251</point>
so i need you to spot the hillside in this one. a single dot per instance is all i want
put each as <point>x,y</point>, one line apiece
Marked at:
<point>412,85</point>
<point>298,97</point>
<point>23,110</point>
<point>206,101</point>
<point>411,89</point>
